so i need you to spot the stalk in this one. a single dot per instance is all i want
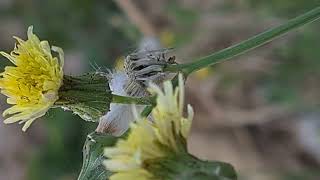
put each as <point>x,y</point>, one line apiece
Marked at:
<point>238,49</point>
<point>246,45</point>
<point>132,100</point>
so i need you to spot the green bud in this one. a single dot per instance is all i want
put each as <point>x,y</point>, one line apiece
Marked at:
<point>88,95</point>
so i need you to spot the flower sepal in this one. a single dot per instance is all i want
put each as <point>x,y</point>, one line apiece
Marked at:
<point>185,166</point>
<point>88,95</point>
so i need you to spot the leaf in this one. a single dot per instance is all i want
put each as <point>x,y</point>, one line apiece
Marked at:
<point>92,168</point>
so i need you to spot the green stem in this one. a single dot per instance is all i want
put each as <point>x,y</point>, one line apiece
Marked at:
<point>240,48</point>
<point>147,110</point>
<point>246,45</point>
<point>132,100</point>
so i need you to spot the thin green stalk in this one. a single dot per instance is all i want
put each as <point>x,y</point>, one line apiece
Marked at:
<point>147,110</point>
<point>242,47</point>
<point>246,45</point>
<point>132,100</point>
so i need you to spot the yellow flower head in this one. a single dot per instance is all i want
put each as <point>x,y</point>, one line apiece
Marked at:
<point>150,140</point>
<point>32,84</point>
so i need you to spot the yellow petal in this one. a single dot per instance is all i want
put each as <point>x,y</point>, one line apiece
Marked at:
<point>17,117</point>
<point>8,56</point>
<point>27,124</point>
<point>12,110</point>
<point>61,54</point>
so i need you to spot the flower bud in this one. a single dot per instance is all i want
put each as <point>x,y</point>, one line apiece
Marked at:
<point>88,95</point>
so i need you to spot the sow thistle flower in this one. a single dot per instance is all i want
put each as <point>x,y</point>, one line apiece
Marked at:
<point>36,83</point>
<point>32,84</point>
<point>157,149</point>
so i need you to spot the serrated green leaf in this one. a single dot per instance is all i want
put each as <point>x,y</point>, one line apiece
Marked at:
<point>92,168</point>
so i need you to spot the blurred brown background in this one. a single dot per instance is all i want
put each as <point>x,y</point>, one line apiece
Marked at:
<point>259,112</point>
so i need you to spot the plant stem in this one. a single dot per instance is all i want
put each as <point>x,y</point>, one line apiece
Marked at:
<point>132,100</point>
<point>240,48</point>
<point>146,111</point>
<point>246,45</point>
